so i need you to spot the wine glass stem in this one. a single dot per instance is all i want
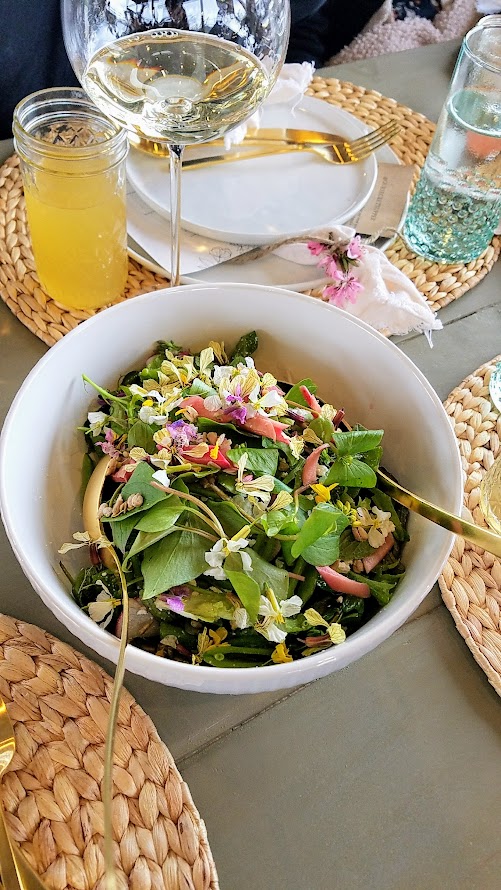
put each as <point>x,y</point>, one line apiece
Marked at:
<point>176,160</point>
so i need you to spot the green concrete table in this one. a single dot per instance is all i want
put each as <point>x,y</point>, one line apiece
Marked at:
<point>386,775</point>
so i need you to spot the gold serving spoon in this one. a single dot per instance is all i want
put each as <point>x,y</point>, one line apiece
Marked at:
<point>17,874</point>
<point>481,537</point>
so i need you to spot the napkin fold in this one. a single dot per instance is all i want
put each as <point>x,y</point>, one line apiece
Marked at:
<point>289,88</point>
<point>387,300</point>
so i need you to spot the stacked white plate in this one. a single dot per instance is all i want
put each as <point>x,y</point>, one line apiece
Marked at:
<point>228,209</point>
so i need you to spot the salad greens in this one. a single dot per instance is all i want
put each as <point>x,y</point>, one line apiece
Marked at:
<point>244,511</point>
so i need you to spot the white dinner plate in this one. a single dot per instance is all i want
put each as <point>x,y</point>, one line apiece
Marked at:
<point>262,200</point>
<point>271,269</point>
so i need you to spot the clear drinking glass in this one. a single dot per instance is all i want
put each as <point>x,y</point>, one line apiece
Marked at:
<point>73,168</point>
<point>176,72</point>
<point>457,204</point>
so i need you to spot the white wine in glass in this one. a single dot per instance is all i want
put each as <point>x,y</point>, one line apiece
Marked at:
<point>176,72</point>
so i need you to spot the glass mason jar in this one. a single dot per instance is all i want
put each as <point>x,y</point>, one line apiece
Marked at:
<point>73,170</point>
<point>457,204</point>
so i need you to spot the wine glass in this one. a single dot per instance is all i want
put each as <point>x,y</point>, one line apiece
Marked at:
<point>178,72</point>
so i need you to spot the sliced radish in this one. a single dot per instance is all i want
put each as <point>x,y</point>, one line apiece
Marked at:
<point>342,584</point>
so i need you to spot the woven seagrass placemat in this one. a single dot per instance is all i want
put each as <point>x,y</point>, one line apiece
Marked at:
<point>59,703</point>
<point>20,288</point>
<point>471,580</point>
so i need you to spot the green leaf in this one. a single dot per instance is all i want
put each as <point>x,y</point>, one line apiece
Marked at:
<point>323,552</point>
<point>350,472</point>
<point>176,559</point>
<point>140,435</point>
<point>260,461</point>
<point>323,428</point>
<point>357,441</point>
<point>323,519</point>
<point>228,516</point>
<point>350,548</point>
<point>199,388</point>
<point>247,345</point>
<point>373,457</point>
<point>140,483</point>
<point>276,521</point>
<point>265,573</point>
<point>381,590</point>
<point>210,605</point>
<point>162,515</point>
<point>295,395</point>
<point>144,540</point>
<point>121,531</point>
<point>246,588</point>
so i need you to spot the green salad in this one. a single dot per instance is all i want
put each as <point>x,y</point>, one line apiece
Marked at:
<point>243,511</point>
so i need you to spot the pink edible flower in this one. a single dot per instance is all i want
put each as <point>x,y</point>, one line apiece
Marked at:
<point>345,289</point>
<point>315,247</point>
<point>355,248</point>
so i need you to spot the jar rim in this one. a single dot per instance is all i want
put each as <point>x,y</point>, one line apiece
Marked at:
<point>65,97</point>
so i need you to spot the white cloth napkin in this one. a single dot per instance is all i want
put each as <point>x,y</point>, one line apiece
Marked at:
<point>389,301</point>
<point>289,88</point>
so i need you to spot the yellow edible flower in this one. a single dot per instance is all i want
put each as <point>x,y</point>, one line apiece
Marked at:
<point>323,492</point>
<point>280,654</point>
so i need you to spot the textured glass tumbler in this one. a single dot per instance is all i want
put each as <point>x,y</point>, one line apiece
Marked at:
<point>73,169</point>
<point>457,204</point>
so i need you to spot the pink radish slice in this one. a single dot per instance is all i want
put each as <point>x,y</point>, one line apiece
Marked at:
<point>371,561</point>
<point>342,584</point>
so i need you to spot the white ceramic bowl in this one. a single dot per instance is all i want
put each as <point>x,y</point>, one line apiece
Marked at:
<point>41,450</point>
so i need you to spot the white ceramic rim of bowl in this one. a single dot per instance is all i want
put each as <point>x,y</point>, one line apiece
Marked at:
<point>208,679</point>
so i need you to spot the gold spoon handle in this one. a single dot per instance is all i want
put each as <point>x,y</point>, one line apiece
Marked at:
<point>11,876</point>
<point>481,537</point>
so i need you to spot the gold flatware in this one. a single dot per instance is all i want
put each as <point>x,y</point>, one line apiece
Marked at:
<point>17,874</point>
<point>334,154</point>
<point>481,537</point>
<point>297,137</point>
<point>11,876</point>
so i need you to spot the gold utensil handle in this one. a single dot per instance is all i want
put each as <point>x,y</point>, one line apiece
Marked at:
<point>11,875</point>
<point>236,156</point>
<point>481,537</point>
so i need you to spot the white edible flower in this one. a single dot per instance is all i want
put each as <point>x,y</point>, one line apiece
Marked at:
<point>273,615</point>
<point>149,414</point>
<point>161,477</point>
<point>213,403</point>
<point>379,524</point>
<point>221,371</point>
<point>97,420</point>
<point>216,556</point>
<point>101,611</point>
<point>241,619</point>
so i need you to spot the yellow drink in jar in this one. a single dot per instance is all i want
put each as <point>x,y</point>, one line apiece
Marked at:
<point>73,168</point>
<point>79,235</point>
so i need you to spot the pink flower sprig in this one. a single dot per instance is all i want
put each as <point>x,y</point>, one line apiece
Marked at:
<point>338,260</point>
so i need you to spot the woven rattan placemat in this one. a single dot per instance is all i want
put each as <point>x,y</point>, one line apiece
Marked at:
<point>471,581</point>
<point>59,702</point>
<point>20,288</point>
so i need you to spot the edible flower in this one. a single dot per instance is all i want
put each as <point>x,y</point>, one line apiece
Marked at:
<point>380,524</point>
<point>323,492</point>
<point>336,633</point>
<point>216,556</point>
<point>259,487</point>
<point>274,614</point>
<point>280,654</point>
<point>101,610</point>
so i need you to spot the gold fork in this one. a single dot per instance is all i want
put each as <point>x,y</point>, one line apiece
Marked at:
<point>17,874</point>
<point>297,137</point>
<point>337,153</point>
